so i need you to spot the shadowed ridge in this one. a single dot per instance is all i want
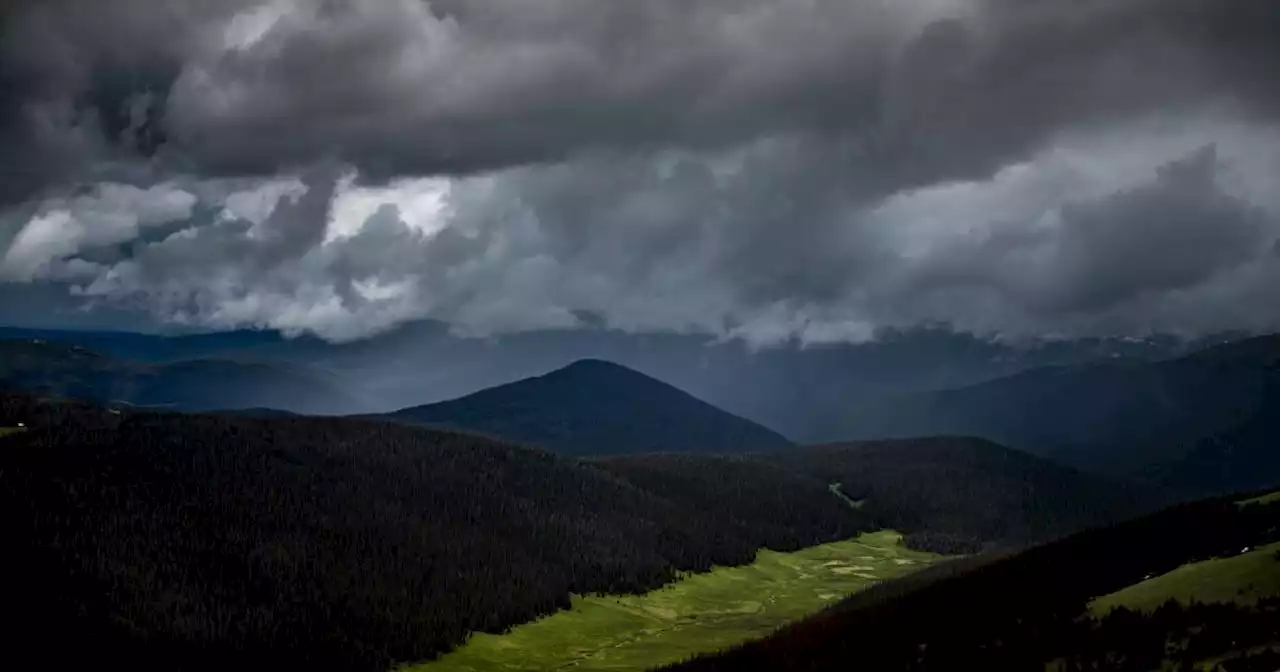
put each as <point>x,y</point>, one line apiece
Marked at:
<point>597,407</point>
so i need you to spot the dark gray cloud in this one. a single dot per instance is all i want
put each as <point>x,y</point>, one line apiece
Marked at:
<point>756,168</point>
<point>757,244</point>
<point>1173,234</point>
<point>932,89</point>
<point>1117,263</point>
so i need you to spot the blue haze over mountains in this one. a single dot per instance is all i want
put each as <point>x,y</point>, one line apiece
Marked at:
<point>804,393</point>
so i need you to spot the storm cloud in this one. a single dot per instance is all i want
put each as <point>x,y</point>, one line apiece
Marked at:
<point>811,169</point>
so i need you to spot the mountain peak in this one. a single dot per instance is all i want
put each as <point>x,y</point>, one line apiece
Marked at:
<point>598,407</point>
<point>591,364</point>
<point>603,371</point>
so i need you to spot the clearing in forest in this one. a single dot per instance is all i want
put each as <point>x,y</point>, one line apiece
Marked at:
<point>1242,579</point>
<point>700,613</point>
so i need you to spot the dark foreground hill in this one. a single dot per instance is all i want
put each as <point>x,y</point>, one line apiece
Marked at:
<point>1205,422</point>
<point>1029,611</point>
<point>66,370</point>
<point>180,542</point>
<point>594,407</point>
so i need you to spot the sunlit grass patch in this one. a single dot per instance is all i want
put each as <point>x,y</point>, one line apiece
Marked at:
<point>1242,579</point>
<point>699,613</point>
<point>1264,499</point>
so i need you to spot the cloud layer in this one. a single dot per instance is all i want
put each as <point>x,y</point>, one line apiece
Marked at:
<point>767,170</point>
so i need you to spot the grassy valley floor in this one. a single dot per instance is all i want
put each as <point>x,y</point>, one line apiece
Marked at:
<point>697,614</point>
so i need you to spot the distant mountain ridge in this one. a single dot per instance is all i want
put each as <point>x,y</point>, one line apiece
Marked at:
<point>1175,413</point>
<point>1204,422</point>
<point>594,407</point>
<point>150,347</point>
<point>804,393</point>
<point>74,371</point>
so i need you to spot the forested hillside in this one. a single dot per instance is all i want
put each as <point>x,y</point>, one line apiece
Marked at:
<point>593,407</point>
<point>738,493</point>
<point>1029,611</point>
<point>202,542</point>
<point>957,494</point>
<point>208,542</point>
<point>947,494</point>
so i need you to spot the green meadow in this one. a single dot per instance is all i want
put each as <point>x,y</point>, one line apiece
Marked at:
<point>1265,499</point>
<point>698,613</point>
<point>1243,579</point>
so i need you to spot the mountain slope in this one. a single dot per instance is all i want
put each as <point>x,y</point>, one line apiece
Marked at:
<point>207,542</point>
<point>1126,418</point>
<point>201,384</point>
<point>947,494</point>
<point>957,494</point>
<point>594,407</point>
<point>801,392</point>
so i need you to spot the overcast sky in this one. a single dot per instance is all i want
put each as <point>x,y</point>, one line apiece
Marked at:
<point>765,169</point>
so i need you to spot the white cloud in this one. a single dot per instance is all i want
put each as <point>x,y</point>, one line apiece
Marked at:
<point>110,214</point>
<point>251,25</point>
<point>46,237</point>
<point>766,242</point>
<point>257,202</point>
<point>421,203</point>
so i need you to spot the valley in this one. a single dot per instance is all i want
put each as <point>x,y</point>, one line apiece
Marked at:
<point>597,518</point>
<point>697,613</point>
<point>1167,591</point>
<point>360,544</point>
<point>640,335</point>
